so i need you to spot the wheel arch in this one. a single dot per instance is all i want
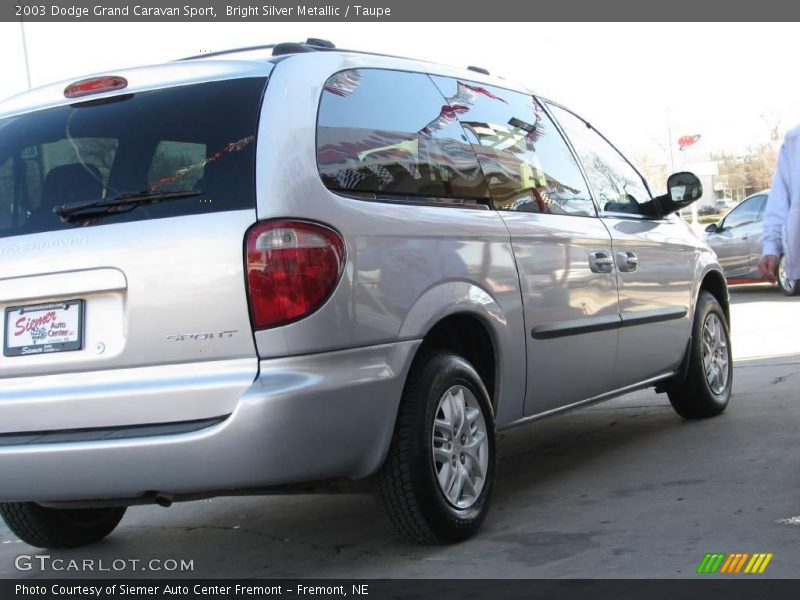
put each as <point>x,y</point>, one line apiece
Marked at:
<point>714,283</point>
<point>461,317</point>
<point>467,335</point>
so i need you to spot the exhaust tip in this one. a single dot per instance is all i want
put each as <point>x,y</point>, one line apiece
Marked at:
<point>163,500</point>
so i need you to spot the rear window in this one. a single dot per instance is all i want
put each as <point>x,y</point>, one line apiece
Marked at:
<point>198,138</point>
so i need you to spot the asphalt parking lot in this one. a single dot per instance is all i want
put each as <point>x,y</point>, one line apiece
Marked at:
<point>622,489</point>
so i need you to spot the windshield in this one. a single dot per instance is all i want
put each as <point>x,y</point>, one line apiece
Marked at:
<point>198,138</point>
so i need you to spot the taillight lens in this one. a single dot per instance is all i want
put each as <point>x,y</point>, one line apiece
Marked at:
<point>95,85</point>
<point>292,268</point>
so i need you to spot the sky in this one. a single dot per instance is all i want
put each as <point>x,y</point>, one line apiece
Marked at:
<point>641,84</point>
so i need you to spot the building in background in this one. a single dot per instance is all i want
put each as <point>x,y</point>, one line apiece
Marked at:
<point>727,177</point>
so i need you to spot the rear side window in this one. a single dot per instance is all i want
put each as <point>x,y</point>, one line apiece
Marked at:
<point>391,134</point>
<point>527,163</point>
<point>198,138</point>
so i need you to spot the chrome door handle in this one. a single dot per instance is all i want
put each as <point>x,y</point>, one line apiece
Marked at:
<point>627,261</point>
<point>600,262</point>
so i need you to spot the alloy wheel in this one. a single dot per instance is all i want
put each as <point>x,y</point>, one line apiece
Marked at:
<point>460,447</point>
<point>784,281</point>
<point>715,354</point>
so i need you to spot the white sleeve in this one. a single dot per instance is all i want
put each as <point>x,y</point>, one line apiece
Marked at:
<point>777,206</point>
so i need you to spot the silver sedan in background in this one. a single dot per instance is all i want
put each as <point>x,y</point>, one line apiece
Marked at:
<point>737,240</point>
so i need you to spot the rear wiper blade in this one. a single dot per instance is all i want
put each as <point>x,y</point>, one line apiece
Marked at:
<point>81,211</point>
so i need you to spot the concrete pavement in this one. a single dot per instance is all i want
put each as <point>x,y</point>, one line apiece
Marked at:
<point>621,489</point>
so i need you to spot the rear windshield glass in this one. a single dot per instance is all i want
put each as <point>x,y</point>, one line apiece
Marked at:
<point>198,139</point>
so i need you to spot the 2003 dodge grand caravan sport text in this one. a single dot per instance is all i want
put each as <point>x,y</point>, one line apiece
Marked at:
<point>294,264</point>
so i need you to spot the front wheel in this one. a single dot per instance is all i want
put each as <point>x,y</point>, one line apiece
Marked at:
<point>437,478</point>
<point>788,286</point>
<point>707,388</point>
<point>45,527</point>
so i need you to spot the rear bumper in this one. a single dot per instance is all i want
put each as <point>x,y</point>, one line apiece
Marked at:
<point>305,418</point>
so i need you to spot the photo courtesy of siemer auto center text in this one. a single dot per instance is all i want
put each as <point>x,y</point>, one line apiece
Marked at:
<point>399,299</point>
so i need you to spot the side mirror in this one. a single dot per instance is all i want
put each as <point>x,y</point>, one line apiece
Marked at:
<point>682,189</point>
<point>713,228</point>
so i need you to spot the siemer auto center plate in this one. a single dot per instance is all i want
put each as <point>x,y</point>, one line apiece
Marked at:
<point>43,328</point>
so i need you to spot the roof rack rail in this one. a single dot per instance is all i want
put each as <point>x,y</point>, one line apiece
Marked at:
<point>478,70</point>
<point>310,45</point>
<point>223,52</point>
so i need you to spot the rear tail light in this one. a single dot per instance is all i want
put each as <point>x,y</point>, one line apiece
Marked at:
<point>292,268</point>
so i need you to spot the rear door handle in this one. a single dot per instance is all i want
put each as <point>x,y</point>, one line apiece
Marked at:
<point>600,262</point>
<point>627,261</point>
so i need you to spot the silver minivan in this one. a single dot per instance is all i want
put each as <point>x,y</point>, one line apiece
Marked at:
<point>296,268</point>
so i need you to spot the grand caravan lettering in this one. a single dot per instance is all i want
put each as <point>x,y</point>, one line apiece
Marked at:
<point>153,11</point>
<point>62,243</point>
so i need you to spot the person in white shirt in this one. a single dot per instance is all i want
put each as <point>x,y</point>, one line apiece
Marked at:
<point>782,217</point>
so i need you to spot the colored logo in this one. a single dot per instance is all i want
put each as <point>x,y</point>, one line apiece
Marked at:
<point>738,562</point>
<point>687,140</point>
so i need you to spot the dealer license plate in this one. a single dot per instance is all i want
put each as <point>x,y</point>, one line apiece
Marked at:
<point>43,328</point>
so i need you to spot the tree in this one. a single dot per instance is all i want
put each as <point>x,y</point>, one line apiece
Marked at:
<point>750,172</point>
<point>654,172</point>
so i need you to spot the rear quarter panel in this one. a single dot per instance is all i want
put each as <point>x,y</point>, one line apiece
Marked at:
<point>407,266</point>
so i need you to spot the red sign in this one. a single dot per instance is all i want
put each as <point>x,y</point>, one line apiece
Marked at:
<point>687,140</point>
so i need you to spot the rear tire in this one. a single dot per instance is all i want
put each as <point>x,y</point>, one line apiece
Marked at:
<point>44,527</point>
<point>788,286</point>
<point>437,479</point>
<point>707,388</point>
